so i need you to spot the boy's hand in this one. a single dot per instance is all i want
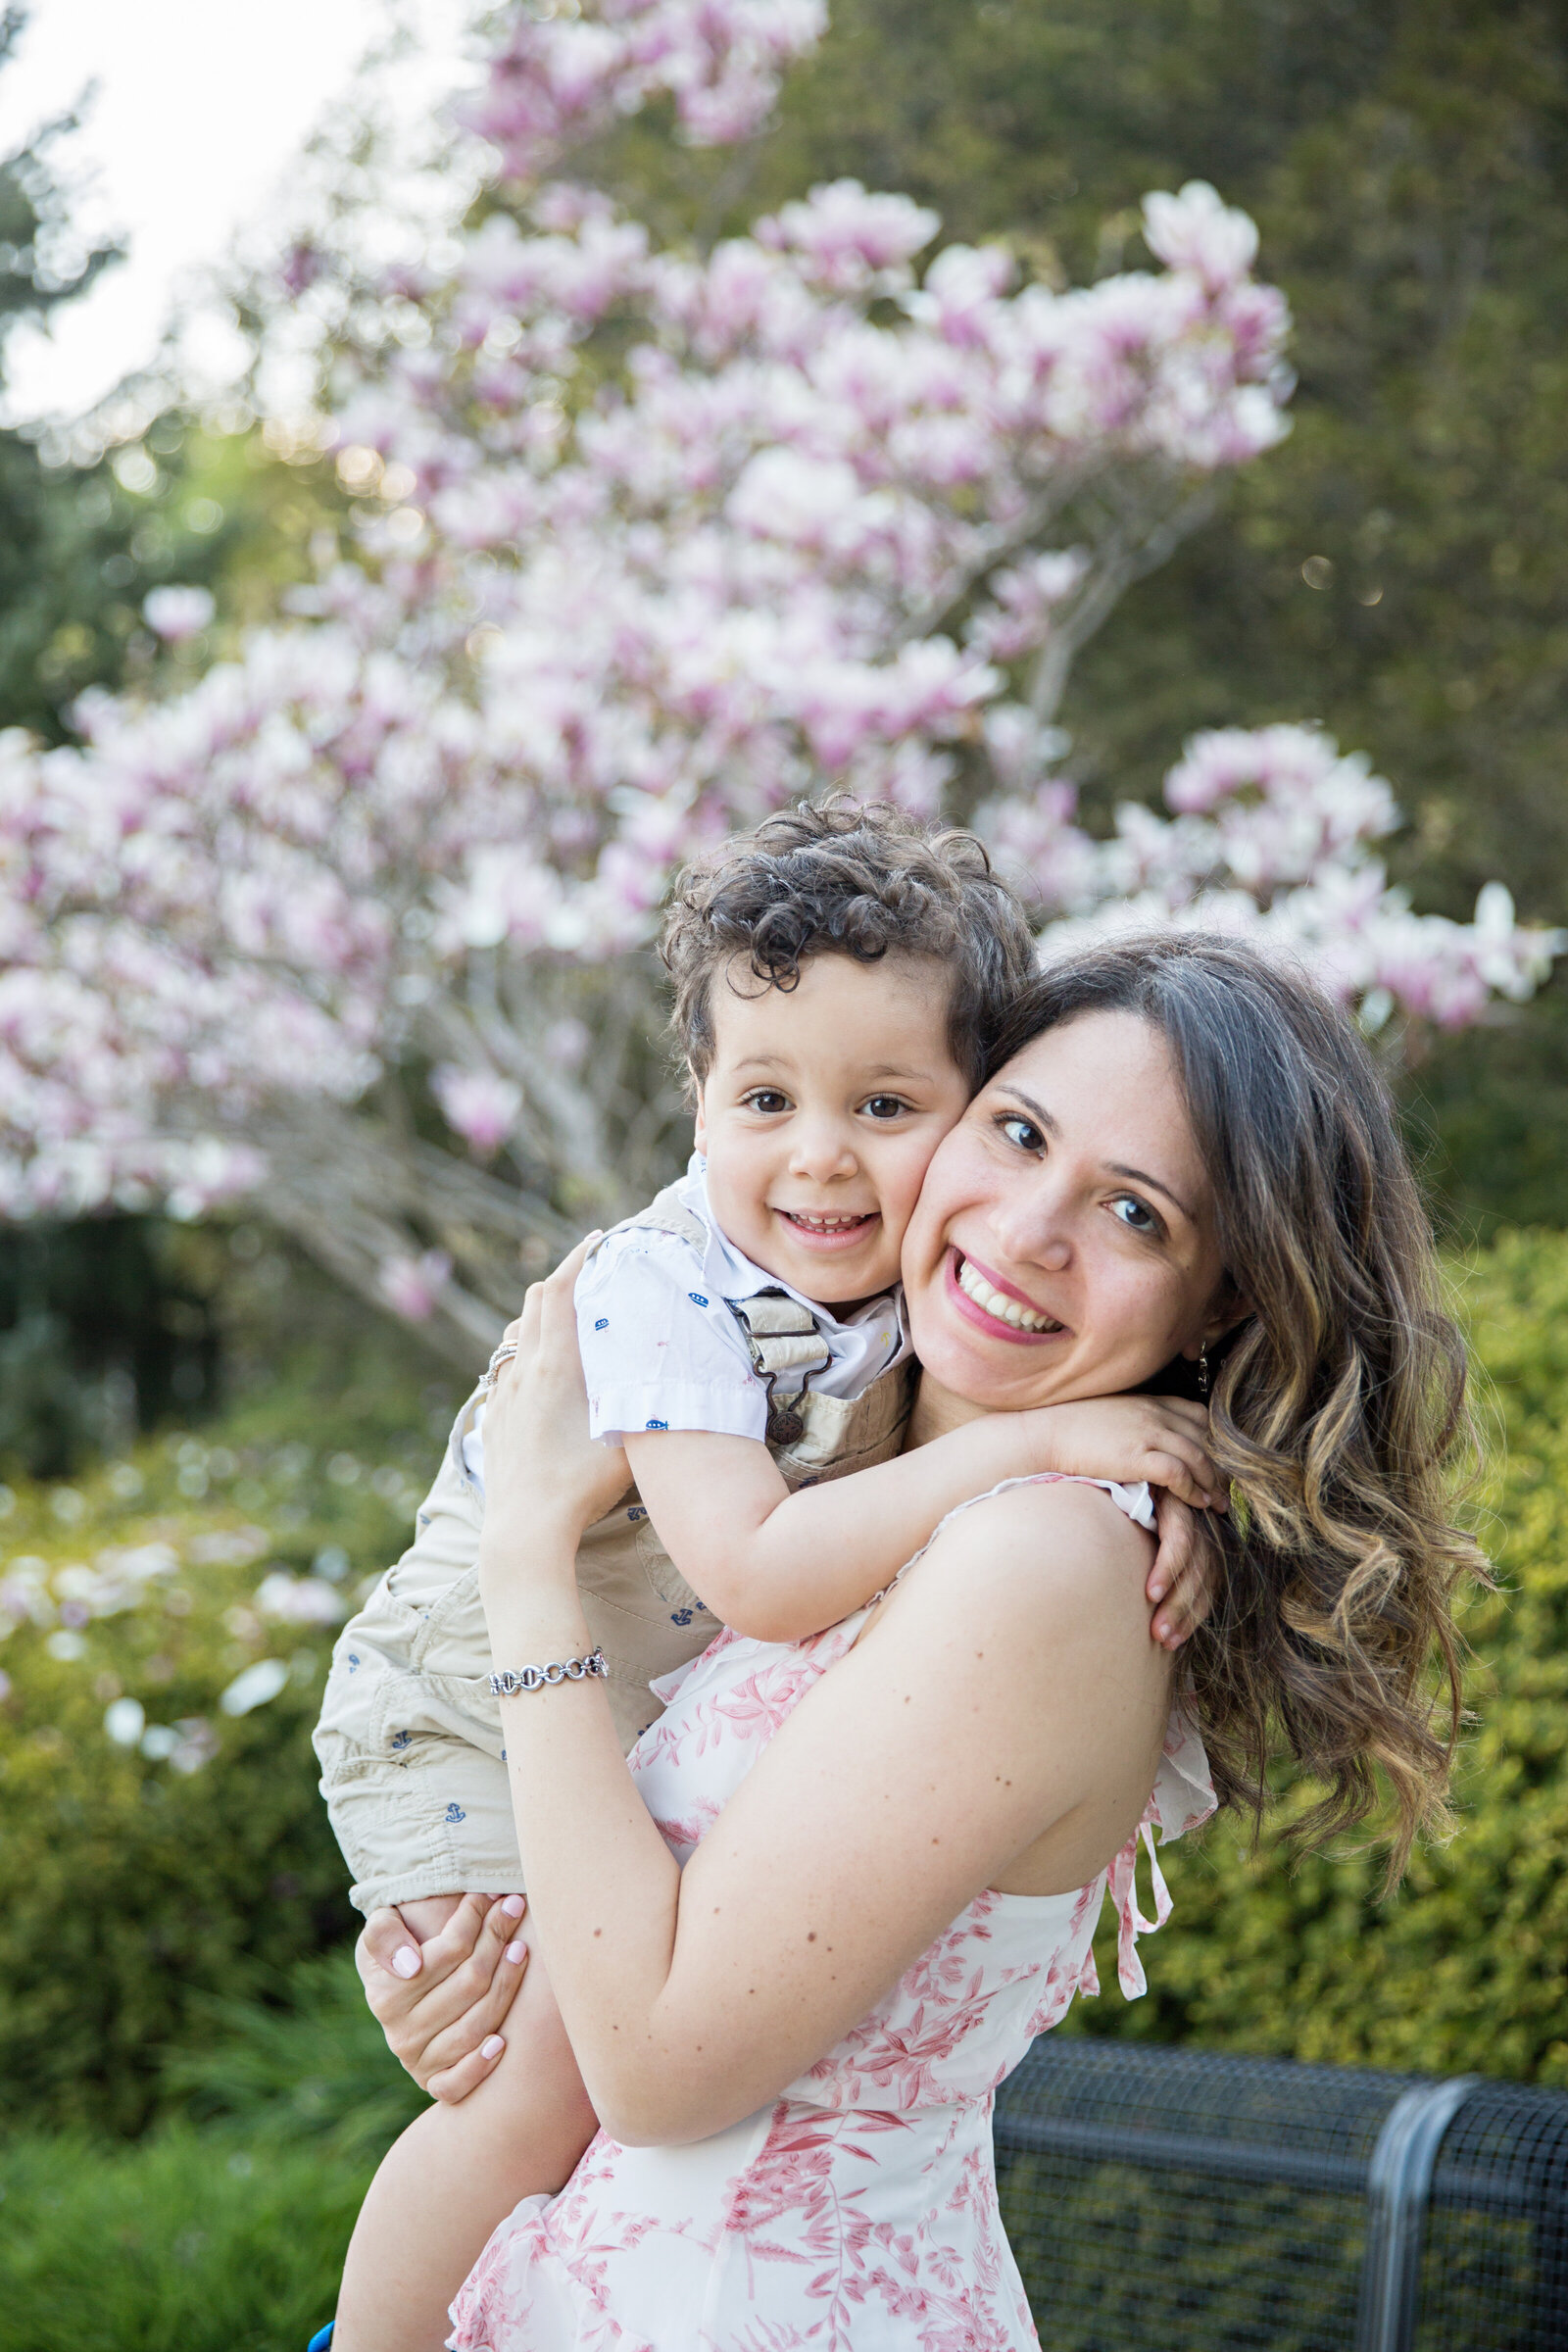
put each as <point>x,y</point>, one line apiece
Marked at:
<point>1162,1439</point>
<point>1185,1575</point>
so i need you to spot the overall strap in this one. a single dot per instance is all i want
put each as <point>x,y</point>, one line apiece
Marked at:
<point>666,1212</point>
<point>785,1342</point>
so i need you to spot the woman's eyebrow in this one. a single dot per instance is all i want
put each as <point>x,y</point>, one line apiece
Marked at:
<point>1142,1176</point>
<point>1041,1116</point>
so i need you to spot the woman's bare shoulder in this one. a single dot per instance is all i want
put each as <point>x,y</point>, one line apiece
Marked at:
<point>1063,1522</point>
<point>1036,1552</point>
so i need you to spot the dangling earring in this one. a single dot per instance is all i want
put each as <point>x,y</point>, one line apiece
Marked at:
<point>1202,1372</point>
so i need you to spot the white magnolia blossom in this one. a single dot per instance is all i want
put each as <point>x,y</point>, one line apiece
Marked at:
<point>647,542</point>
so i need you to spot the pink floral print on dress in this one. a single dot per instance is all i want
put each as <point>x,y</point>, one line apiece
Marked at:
<point>858,2213</point>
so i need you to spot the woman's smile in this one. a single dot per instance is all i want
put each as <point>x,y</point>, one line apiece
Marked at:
<point>992,1304</point>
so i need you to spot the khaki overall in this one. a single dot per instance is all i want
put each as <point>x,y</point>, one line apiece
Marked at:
<point>412,1768</point>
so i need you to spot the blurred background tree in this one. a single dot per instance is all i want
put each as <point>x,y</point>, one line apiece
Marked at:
<point>111,1325</point>
<point>1398,570</point>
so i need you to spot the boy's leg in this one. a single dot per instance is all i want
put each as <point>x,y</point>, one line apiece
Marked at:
<point>456,2173</point>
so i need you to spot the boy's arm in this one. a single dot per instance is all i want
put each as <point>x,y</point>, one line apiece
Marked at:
<point>780,1566</point>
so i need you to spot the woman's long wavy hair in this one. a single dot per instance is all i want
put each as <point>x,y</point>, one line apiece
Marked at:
<point>1339,1410</point>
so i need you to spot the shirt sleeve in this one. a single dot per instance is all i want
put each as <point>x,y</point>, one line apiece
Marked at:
<point>473,1451</point>
<point>659,1349</point>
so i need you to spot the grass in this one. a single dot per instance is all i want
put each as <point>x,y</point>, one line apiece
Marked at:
<point>186,2242</point>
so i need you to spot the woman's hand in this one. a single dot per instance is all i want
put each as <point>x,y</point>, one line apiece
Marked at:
<point>441,2004</point>
<point>540,1463</point>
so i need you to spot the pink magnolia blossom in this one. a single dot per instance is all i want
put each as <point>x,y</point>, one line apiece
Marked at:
<point>477,1105</point>
<point>413,1286</point>
<point>645,542</point>
<point>176,613</point>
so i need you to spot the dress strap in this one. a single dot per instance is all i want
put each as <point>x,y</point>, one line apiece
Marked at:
<point>1122,1882</point>
<point>1182,1796</point>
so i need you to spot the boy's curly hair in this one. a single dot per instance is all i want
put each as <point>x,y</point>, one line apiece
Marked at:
<point>843,877</point>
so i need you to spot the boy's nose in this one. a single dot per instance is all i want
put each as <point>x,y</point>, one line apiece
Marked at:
<point>821,1151</point>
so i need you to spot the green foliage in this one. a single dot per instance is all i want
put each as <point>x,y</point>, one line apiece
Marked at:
<point>1466,1966</point>
<point>153,1921</point>
<point>105,1326</point>
<point>135,1882</point>
<point>311,2065</point>
<point>183,2243</point>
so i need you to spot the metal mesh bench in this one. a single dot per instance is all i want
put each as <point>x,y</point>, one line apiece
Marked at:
<point>1180,2201</point>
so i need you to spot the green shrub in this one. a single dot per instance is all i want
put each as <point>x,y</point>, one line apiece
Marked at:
<point>135,1880</point>
<point>311,2065</point>
<point>138,1898</point>
<point>184,2242</point>
<point>1467,1965</point>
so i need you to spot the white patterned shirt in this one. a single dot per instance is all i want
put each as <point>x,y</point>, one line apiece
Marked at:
<point>661,1348</point>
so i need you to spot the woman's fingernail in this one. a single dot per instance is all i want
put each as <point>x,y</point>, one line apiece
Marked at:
<point>516,1953</point>
<point>514,1906</point>
<point>1157,1590</point>
<point>406,1961</point>
<point>493,2047</point>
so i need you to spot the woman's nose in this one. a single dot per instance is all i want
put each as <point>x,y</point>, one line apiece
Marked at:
<point>1033,1232</point>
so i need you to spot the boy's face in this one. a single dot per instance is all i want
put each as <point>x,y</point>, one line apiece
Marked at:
<point>820,1113</point>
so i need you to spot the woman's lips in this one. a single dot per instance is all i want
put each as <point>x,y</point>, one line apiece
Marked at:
<point>995,1325</point>
<point>829,1234</point>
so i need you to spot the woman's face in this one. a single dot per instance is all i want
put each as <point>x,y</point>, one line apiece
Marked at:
<point>1063,1243</point>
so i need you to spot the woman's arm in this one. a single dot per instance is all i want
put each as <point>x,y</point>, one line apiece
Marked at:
<point>918,1770</point>
<point>781,1566</point>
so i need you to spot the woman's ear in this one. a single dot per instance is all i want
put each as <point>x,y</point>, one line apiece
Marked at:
<point>1227,1312</point>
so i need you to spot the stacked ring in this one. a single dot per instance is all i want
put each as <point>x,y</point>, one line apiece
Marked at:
<point>502,1356</point>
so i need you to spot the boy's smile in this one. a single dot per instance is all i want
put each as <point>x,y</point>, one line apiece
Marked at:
<point>819,1114</point>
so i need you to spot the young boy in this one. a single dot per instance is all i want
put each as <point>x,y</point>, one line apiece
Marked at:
<point>836,977</point>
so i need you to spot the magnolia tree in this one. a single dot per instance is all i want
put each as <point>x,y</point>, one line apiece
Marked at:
<point>648,542</point>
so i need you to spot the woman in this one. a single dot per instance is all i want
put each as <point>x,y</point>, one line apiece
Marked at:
<point>897,1836</point>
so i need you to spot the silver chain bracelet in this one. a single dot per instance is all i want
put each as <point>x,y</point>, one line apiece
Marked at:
<point>540,1677</point>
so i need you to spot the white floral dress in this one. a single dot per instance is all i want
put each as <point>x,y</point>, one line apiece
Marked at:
<point>858,2211</point>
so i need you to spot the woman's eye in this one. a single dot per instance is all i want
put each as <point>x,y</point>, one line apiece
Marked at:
<point>1021,1133</point>
<point>1135,1215</point>
<point>885,1107</point>
<point>769,1100</point>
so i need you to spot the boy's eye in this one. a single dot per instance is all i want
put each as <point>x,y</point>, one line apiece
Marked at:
<point>1139,1218</point>
<point>768,1099</point>
<point>885,1107</point>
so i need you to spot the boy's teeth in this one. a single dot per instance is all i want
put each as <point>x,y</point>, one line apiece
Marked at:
<point>996,1302</point>
<point>801,1216</point>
